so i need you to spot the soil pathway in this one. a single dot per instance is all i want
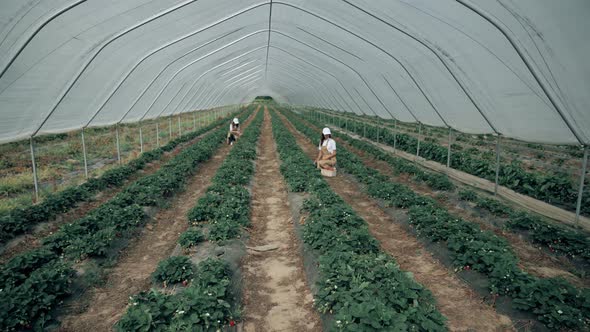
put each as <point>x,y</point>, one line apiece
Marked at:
<point>33,239</point>
<point>276,297</point>
<point>132,272</point>
<point>455,299</point>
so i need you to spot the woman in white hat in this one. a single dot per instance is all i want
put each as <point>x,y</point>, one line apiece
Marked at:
<point>234,131</point>
<point>327,151</point>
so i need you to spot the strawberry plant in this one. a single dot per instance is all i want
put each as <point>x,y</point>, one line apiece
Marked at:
<point>173,270</point>
<point>191,237</point>
<point>468,195</point>
<point>203,306</point>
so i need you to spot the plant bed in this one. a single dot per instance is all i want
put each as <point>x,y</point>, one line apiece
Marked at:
<point>21,220</point>
<point>555,302</point>
<point>209,300</point>
<point>555,189</point>
<point>361,300</point>
<point>93,236</point>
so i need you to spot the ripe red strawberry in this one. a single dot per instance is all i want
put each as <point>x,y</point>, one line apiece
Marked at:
<point>185,283</point>
<point>232,323</point>
<point>467,268</point>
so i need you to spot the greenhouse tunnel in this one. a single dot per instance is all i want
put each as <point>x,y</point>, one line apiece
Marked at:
<point>515,69</point>
<point>390,165</point>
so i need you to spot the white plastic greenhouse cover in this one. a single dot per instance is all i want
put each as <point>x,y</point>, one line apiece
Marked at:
<point>515,67</point>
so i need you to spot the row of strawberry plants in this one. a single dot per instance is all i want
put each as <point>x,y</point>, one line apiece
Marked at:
<point>551,188</point>
<point>33,283</point>
<point>21,220</point>
<point>360,285</point>
<point>554,301</point>
<point>207,303</point>
<point>226,205</point>
<point>558,239</point>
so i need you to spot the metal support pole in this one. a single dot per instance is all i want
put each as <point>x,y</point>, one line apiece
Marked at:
<point>84,153</point>
<point>158,133</point>
<point>140,140</point>
<point>170,127</point>
<point>194,122</point>
<point>35,179</point>
<point>378,131</point>
<point>179,127</point>
<point>497,165</point>
<point>118,144</point>
<point>364,129</point>
<point>394,135</point>
<point>419,135</point>
<point>582,179</point>
<point>449,151</point>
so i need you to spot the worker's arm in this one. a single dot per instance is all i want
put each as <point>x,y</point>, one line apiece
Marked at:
<point>332,155</point>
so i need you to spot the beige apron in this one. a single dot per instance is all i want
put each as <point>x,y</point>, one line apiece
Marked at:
<point>324,162</point>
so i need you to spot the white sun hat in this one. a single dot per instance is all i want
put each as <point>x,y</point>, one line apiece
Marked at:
<point>236,121</point>
<point>326,131</point>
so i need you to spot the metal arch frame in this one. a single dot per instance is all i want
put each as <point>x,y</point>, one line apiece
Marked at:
<point>102,47</point>
<point>529,66</point>
<point>112,93</point>
<point>214,98</point>
<point>385,52</point>
<point>209,70</point>
<point>465,91</point>
<point>150,85</point>
<point>363,39</point>
<point>149,20</point>
<point>227,87</point>
<point>195,61</point>
<point>346,65</point>
<point>323,70</point>
<point>321,85</point>
<point>209,94</point>
<point>319,68</point>
<point>468,5</point>
<point>196,80</point>
<point>318,96</point>
<point>34,34</point>
<point>305,73</point>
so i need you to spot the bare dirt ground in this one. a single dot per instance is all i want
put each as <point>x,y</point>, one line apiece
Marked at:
<point>455,299</point>
<point>33,239</point>
<point>132,272</point>
<point>276,296</point>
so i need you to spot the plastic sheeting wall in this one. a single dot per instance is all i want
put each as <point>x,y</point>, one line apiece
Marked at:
<point>517,68</point>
